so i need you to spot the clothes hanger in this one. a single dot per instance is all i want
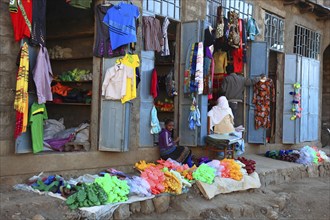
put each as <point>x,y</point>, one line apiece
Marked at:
<point>106,3</point>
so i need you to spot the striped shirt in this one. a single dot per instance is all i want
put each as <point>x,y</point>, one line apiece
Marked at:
<point>121,21</point>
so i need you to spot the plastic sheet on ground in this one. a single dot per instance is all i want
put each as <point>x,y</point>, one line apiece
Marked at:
<point>227,185</point>
<point>95,212</point>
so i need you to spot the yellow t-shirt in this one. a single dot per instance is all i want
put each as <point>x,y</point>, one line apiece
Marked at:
<point>220,62</point>
<point>133,61</point>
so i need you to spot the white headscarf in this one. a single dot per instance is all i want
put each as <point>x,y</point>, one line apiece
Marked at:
<point>219,111</point>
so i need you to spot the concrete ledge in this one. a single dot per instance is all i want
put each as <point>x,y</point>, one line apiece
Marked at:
<point>273,171</point>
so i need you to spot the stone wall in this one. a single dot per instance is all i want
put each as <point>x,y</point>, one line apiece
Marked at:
<point>8,69</point>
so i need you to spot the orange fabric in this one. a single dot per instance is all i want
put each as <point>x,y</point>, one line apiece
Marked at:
<point>61,89</point>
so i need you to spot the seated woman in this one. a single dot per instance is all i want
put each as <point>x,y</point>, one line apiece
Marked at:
<point>169,148</point>
<point>221,117</point>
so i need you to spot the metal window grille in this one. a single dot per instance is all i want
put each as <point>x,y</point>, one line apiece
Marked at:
<point>306,42</point>
<point>169,8</point>
<point>240,6</point>
<point>274,32</point>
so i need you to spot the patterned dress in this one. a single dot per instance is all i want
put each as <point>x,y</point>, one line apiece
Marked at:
<point>264,93</point>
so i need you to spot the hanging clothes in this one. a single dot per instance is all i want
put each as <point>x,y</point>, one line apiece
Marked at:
<point>115,81</point>
<point>133,61</point>
<point>237,55</point>
<point>154,84</point>
<point>121,20</point>
<point>38,114</point>
<point>102,46</point>
<point>21,17</point>
<point>152,34</point>
<point>155,127</point>
<point>264,93</point>
<point>252,29</point>
<point>199,68</point>
<point>38,33</point>
<point>21,103</point>
<point>194,116</point>
<point>165,48</point>
<point>42,76</point>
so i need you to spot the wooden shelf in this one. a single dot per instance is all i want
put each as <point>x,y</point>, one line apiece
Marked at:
<point>87,81</point>
<point>65,36</point>
<point>66,103</point>
<point>72,58</point>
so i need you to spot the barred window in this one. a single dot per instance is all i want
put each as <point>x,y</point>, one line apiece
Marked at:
<point>274,32</point>
<point>169,8</point>
<point>306,42</point>
<point>240,6</point>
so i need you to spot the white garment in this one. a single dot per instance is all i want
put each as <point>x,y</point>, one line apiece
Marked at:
<point>114,83</point>
<point>165,48</point>
<point>218,112</point>
<point>199,68</point>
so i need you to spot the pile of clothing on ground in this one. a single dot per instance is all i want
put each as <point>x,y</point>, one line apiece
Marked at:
<point>306,155</point>
<point>113,186</point>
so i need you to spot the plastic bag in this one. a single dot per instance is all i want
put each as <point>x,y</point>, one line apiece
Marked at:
<point>52,126</point>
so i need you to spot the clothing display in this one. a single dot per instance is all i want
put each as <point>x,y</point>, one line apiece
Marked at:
<point>42,76</point>
<point>152,34</point>
<point>133,61</point>
<point>154,84</point>
<point>121,20</point>
<point>155,126</point>
<point>21,17</point>
<point>220,61</point>
<point>165,48</point>
<point>102,46</point>
<point>252,29</point>
<point>38,33</point>
<point>199,68</point>
<point>264,93</point>
<point>38,114</point>
<point>21,103</point>
<point>237,55</point>
<point>115,80</point>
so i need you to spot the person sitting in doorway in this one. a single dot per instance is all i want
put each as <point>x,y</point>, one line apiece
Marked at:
<point>221,117</point>
<point>169,148</point>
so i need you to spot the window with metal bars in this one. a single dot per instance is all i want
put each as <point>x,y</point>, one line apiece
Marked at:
<point>240,6</point>
<point>306,42</point>
<point>169,8</point>
<point>274,32</point>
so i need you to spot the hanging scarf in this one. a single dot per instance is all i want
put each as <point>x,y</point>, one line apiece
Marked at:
<point>21,103</point>
<point>194,116</point>
<point>199,68</point>
<point>218,112</point>
<point>155,127</point>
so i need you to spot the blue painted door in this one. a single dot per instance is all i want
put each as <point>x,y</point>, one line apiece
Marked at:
<point>114,120</point>
<point>191,32</point>
<point>258,64</point>
<point>304,91</point>
<point>146,104</point>
<point>313,100</point>
<point>292,75</point>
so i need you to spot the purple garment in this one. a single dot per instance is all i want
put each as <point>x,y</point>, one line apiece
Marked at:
<point>58,143</point>
<point>166,144</point>
<point>42,76</point>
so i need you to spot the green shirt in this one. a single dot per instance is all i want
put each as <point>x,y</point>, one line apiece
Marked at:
<point>38,114</point>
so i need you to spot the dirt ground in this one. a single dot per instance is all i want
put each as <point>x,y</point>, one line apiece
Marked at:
<point>304,199</point>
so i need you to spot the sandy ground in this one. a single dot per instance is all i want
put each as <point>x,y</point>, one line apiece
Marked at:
<point>305,199</point>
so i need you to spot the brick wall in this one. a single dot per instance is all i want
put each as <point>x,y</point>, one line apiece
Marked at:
<point>8,51</point>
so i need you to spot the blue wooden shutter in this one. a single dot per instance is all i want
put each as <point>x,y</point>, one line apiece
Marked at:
<point>114,120</point>
<point>258,63</point>
<point>190,33</point>
<point>313,101</point>
<point>147,65</point>
<point>304,91</point>
<point>292,75</point>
